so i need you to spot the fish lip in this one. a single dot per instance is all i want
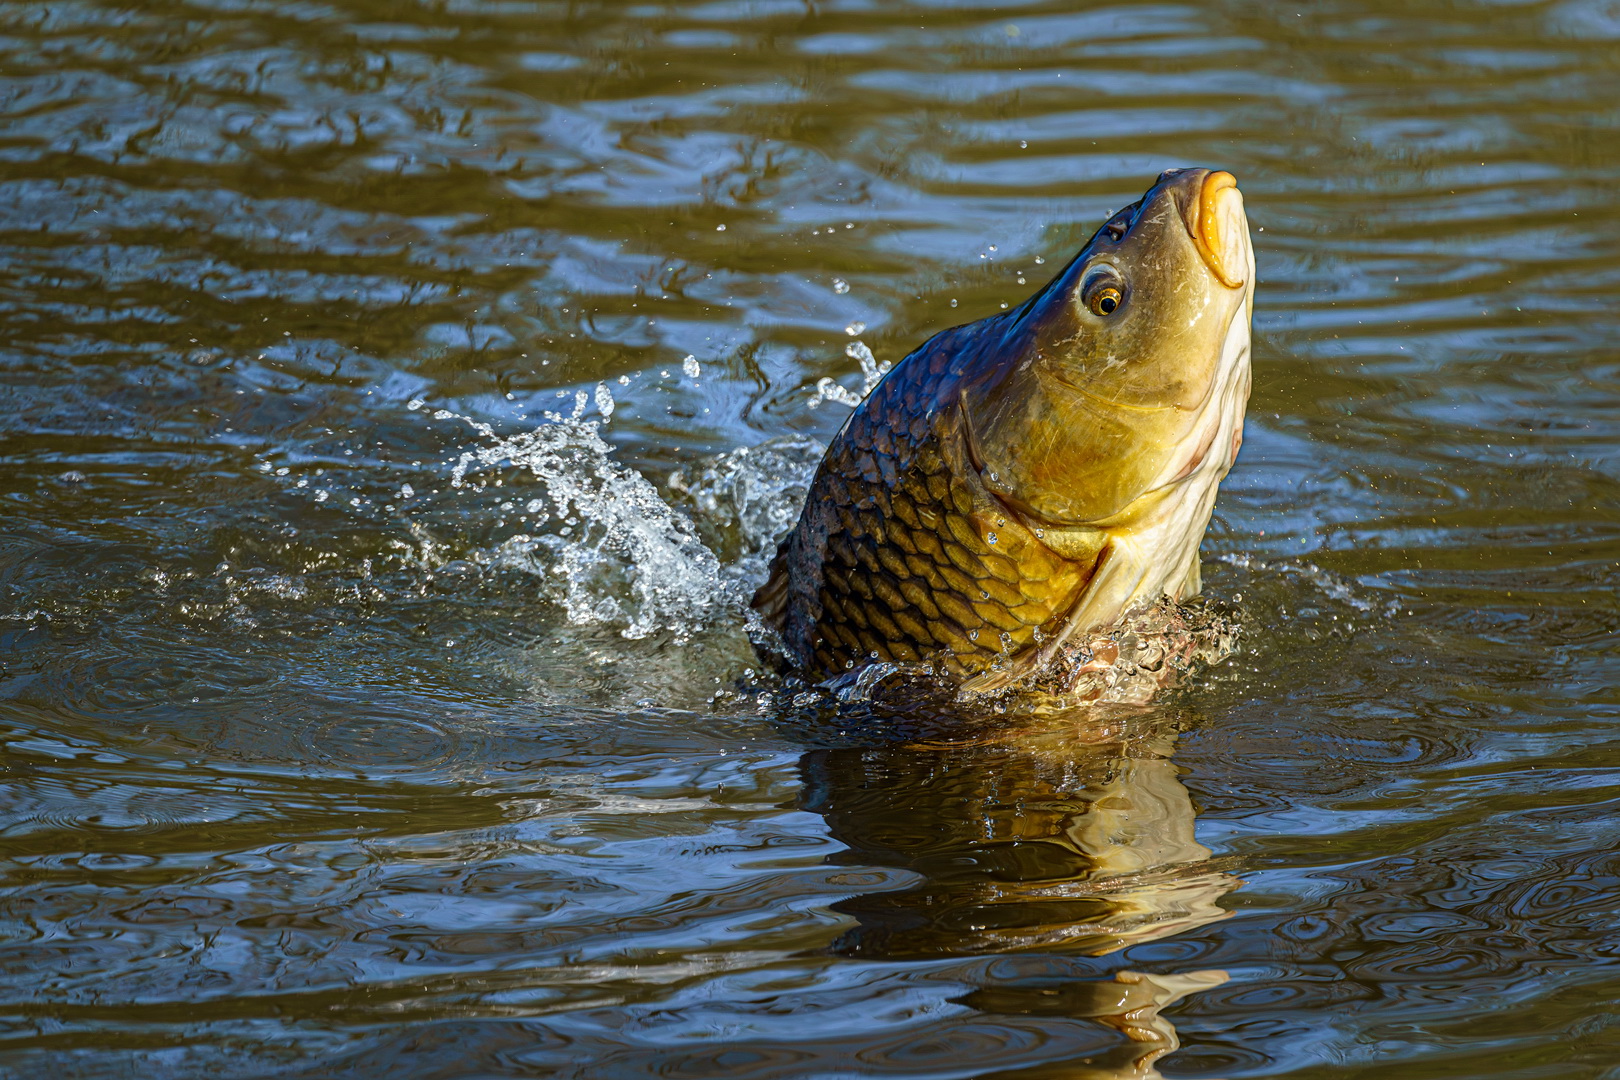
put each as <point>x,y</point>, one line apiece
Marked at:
<point>1208,214</point>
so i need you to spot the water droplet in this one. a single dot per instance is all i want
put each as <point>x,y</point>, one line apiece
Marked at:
<point>990,537</point>
<point>849,224</point>
<point>827,390</point>
<point>322,496</point>
<point>604,401</point>
<point>973,635</point>
<point>624,380</point>
<point>1023,144</point>
<point>415,403</point>
<point>406,491</point>
<point>1021,280</point>
<point>953,303</point>
<point>854,329</point>
<point>871,371</point>
<point>840,286</point>
<point>992,247</point>
<point>691,366</point>
<point>1039,260</point>
<point>719,228</point>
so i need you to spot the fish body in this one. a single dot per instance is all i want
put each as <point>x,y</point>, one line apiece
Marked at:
<point>1019,482</point>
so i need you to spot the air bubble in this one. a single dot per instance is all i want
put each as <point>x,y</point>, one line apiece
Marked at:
<point>691,366</point>
<point>840,286</point>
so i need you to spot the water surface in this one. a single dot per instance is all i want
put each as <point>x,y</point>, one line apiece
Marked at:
<point>398,397</point>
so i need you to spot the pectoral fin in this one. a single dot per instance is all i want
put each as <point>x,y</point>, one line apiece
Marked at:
<point>1119,573</point>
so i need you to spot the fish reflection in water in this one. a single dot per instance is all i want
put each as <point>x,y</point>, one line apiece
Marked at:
<point>1072,840</point>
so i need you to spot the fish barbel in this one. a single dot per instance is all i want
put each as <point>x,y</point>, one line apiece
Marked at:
<point>1020,482</point>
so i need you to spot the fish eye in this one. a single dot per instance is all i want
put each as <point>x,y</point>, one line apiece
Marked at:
<point>1103,295</point>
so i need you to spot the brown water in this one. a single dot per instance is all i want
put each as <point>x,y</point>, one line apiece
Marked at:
<point>318,763</point>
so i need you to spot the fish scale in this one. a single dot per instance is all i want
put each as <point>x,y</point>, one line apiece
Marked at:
<point>907,556</point>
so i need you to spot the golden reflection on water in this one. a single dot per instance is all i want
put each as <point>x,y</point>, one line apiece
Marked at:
<point>1076,838</point>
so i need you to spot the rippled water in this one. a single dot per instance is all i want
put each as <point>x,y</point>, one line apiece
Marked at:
<point>361,719</point>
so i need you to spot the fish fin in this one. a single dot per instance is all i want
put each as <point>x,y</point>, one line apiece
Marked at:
<point>771,598</point>
<point>1114,580</point>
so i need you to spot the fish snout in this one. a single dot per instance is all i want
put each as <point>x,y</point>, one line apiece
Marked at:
<point>1212,207</point>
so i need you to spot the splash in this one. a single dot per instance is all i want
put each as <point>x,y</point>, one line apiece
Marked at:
<point>872,372</point>
<point>1150,650</point>
<point>614,551</point>
<point>744,501</point>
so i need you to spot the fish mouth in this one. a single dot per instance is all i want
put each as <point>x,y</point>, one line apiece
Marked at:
<point>1219,228</point>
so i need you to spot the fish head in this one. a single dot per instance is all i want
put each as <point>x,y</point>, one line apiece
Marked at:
<point>1113,385</point>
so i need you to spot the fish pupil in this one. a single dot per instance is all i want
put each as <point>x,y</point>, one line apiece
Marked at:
<point>1107,304</point>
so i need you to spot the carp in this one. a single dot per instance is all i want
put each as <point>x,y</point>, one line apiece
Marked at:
<point>1018,483</point>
